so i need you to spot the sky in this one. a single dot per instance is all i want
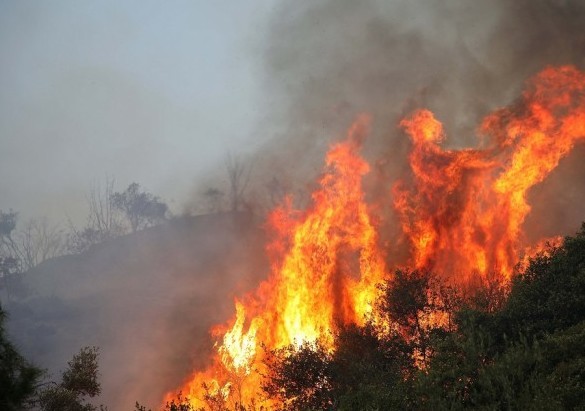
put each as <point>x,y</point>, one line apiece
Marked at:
<point>147,91</point>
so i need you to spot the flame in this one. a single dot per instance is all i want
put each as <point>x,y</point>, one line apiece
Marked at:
<point>328,275</point>
<point>460,212</point>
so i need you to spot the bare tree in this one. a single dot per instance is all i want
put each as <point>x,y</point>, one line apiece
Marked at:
<point>103,219</point>
<point>7,226</point>
<point>102,213</point>
<point>38,241</point>
<point>277,191</point>
<point>23,249</point>
<point>214,199</point>
<point>239,177</point>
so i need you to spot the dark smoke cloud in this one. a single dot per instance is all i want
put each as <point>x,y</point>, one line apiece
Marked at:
<point>329,60</point>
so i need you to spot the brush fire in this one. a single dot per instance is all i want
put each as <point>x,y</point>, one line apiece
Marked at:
<point>459,214</point>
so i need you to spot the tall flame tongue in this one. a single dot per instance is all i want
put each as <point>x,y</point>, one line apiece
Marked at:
<point>461,213</point>
<point>326,276</point>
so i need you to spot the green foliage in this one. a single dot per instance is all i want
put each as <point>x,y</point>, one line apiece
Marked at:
<point>370,370</point>
<point>58,398</point>
<point>82,375</point>
<point>79,381</point>
<point>18,378</point>
<point>300,377</point>
<point>366,371</point>
<point>177,404</point>
<point>549,296</point>
<point>528,354</point>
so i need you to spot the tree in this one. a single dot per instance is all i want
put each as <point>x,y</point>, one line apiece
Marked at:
<point>8,246</point>
<point>140,208</point>
<point>78,382</point>
<point>10,270</point>
<point>103,219</point>
<point>18,377</point>
<point>527,353</point>
<point>408,301</point>
<point>214,199</point>
<point>371,370</point>
<point>549,295</point>
<point>38,241</point>
<point>300,377</point>
<point>239,177</point>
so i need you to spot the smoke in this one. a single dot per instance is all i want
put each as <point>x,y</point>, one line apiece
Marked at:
<point>149,305</point>
<point>329,60</point>
<point>147,300</point>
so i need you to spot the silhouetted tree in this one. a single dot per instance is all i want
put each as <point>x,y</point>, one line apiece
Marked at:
<point>239,177</point>
<point>8,247</point>
<point>78,383</point>
<point>140,208</point>
<point>38,241</point>
<point>24,248</point>
<point>408,300</point>
<point>300,377</point>
<point>18,377</point>
<point>214,199</point>
<point>526,353</point>
<point>103,219</point>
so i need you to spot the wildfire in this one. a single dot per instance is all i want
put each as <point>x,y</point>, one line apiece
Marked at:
<point>460,211</point>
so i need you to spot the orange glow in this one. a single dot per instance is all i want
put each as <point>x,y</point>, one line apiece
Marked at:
<point>460,212</point>
<point>327,276</point>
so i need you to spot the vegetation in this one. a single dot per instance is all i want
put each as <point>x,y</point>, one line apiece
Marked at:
<point>24,386</point>
<point>140,208</point>
<point>78,383</point>
<point>516,347</point>
<point>110,214</point>
<point>526,351</point>
<point>18,377</point>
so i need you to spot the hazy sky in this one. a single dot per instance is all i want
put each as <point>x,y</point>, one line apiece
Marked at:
<point>148,91</point>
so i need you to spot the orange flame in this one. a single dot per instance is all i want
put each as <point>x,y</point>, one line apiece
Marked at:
<point>463,210</point>
<point>327,276</point>
<point>460,211</point>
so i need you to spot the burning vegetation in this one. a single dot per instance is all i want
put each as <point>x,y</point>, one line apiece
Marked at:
<point>335,292</point>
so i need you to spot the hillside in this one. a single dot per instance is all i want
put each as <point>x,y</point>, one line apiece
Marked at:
<point>147,300</point>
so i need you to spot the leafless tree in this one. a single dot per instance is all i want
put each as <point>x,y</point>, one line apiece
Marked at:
<point>277,190</point>
<point>38,241</point>
<point>103,216</point>
<point>103,219</point>
<point>214,199</point>
<point>239,177</point>
<point>8,221</point>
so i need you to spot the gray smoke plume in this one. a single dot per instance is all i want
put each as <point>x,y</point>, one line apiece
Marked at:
<point>329,60</point>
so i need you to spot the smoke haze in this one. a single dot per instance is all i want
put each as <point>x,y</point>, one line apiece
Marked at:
<point>148,302</point>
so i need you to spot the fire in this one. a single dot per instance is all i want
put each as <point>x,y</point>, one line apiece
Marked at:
<point>327,276</point>
<point>460,212</point>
